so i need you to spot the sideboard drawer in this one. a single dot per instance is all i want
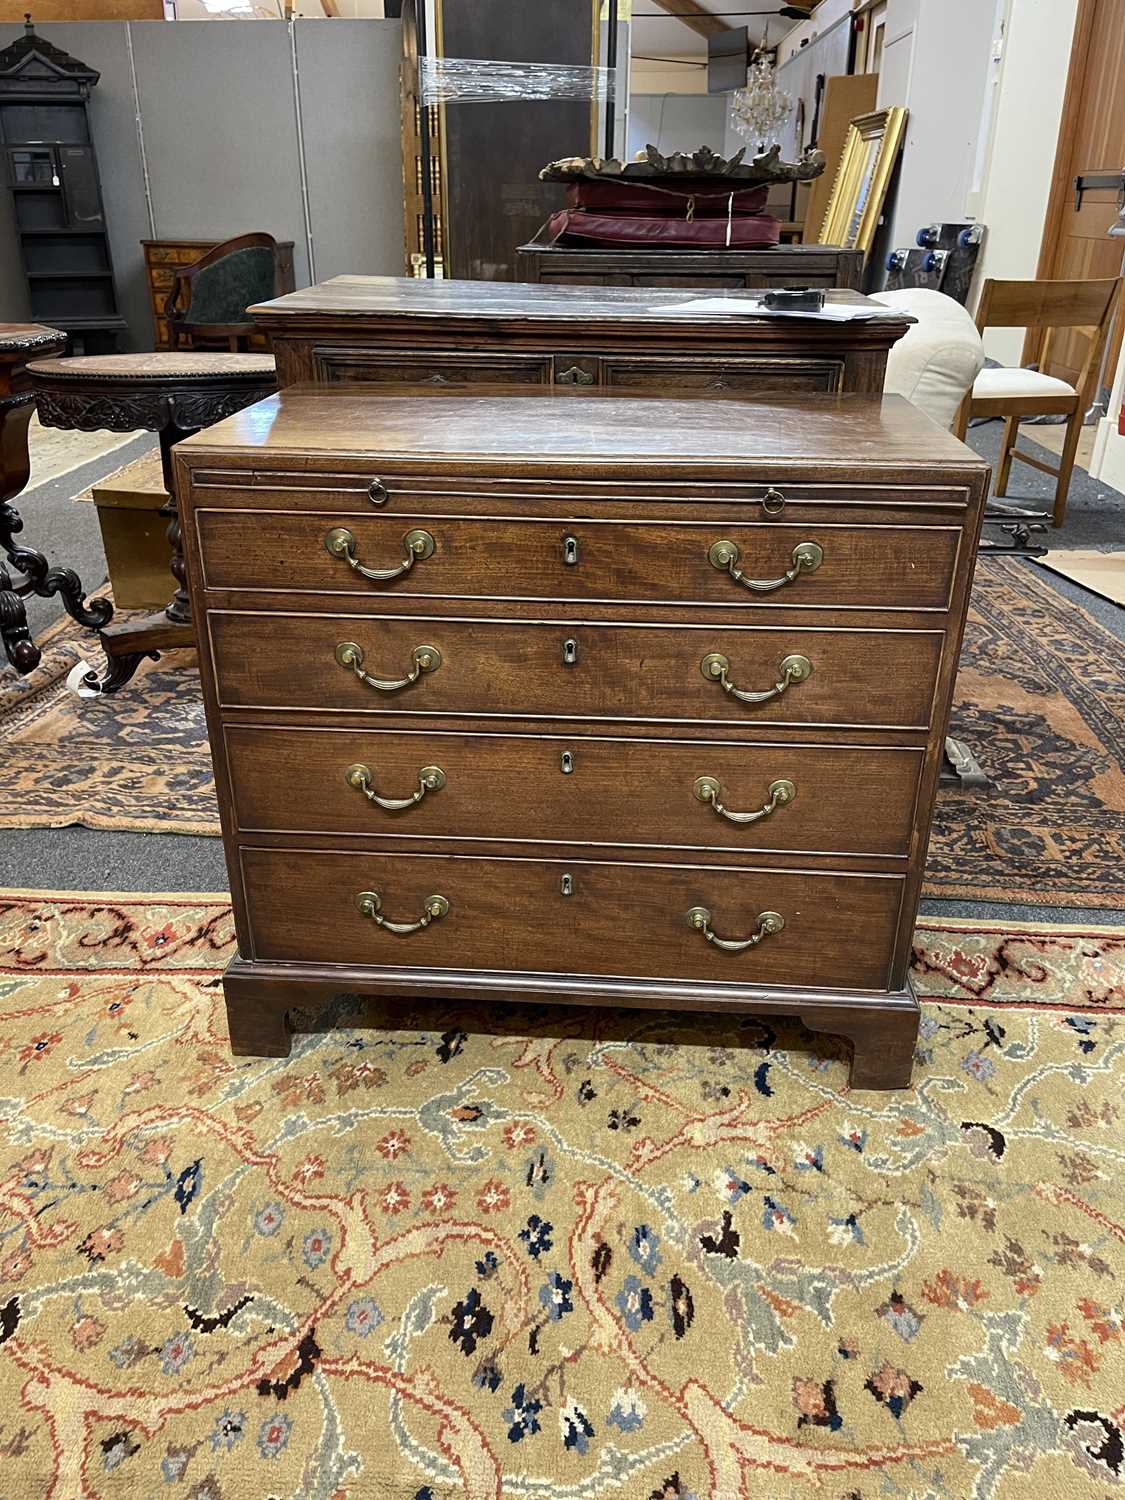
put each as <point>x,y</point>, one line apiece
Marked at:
<point>407,367</point>
<point>810,562</point>
<point>548,916</point>
<point>780,375</point>
<point>559,670</point>
<point>809,799</point>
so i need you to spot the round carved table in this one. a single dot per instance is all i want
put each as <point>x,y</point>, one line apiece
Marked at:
<point>173,393</point>
<point>20,342</point>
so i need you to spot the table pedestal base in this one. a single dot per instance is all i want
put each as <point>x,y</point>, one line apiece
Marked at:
<point>127,642</point>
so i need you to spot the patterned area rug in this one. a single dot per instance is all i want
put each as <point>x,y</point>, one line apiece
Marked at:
<point>557,1254</point>
<point>1040,696</point>
<point>136,760</point>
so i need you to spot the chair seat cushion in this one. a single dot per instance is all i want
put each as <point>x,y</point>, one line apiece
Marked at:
<point>993,384</point>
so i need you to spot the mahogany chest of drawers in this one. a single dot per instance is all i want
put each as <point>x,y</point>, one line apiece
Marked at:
<point>395,330</point>
<point>627,702</point>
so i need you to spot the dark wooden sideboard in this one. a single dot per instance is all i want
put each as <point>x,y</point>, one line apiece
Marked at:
<point>825,266</point>
<point>579,699</point>
<point>399,331</point>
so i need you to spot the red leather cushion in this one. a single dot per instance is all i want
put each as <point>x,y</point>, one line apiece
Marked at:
<point>632,232</point>
<point>665,199</point>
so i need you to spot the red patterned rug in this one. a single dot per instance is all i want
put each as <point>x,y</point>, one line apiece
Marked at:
<point>559,1254</point>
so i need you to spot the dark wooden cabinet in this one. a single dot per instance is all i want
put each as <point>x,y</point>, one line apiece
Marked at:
<point>602,699</point>
<point>392,330</point>
<point>825,266</point>
<point>51,171</point>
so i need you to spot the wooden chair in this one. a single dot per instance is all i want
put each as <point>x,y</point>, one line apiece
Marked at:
<point>207,305</point>
<point>1040,306</point>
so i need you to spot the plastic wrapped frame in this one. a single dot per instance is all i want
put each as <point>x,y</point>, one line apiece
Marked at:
<point>473,80</point>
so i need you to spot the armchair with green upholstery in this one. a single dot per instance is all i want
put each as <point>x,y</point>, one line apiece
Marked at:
<point>207,305</point>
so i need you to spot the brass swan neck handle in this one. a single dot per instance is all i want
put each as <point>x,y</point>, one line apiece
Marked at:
<point>707,789</point>
<point>369,904</point>
<point>724,555</point>
<point>716,667</point>
<point>768,922</point>
<point>417,545</point>
<point>426,659</point>
<point>430,779</point>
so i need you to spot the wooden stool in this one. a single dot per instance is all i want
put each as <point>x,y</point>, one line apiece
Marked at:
<point>172,394</point>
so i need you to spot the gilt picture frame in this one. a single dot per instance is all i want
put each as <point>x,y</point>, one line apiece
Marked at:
<point>867,163</point>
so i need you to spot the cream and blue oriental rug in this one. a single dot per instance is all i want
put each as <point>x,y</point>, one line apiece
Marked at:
<point>510,1254</point>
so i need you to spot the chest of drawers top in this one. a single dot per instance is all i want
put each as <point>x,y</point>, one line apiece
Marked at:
<point>505,434</point>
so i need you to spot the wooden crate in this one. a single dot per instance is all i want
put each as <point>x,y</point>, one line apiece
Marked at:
<point>134,533</point>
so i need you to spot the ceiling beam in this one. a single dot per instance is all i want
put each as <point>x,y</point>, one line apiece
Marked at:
<point>694,16</point>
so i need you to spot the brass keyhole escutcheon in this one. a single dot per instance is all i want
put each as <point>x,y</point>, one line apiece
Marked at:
<point>570,652</point>
<point>570,551</point>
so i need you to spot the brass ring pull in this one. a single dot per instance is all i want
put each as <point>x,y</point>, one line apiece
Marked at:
<point>699,919</point>
<point>368,903</point>
<point>707,789</point>
<point>430,779</point>
<point>416,545</point>
<point>724,555</point>
<point>426,659</point>
<point>773,502</point>
<point>715,667</point>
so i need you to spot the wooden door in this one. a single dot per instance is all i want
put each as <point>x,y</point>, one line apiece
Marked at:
<point>1091,139</point>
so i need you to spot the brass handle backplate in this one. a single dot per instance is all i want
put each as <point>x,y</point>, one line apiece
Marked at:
<point>724,555</point>
<point>369,904</point>
<point>417,545</point>
<point>430,779</point>
<point>575,376</point>
<point>699,919</point>
<point>707,789</point>
<point>715,667</point>
<point>426,659</point>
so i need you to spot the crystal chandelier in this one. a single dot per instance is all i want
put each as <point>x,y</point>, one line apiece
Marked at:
<point>760,109</point>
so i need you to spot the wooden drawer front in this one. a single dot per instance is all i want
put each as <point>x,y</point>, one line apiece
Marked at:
<point>626,919</point>
<point>162,278</point>
<point>844,799</point>
<point>661,563</point>
<point>377,489</point>
<point>521,670</point>
<point>176,255</point>
<point>394,367</point>
<point>785,375</point>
